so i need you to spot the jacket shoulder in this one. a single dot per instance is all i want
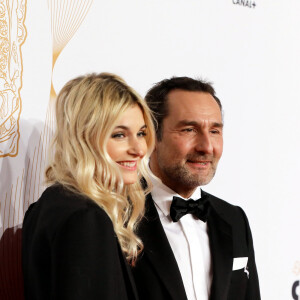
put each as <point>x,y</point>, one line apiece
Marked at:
<point>56,206</point>
<point>63,200</point>
<point>225,209</point>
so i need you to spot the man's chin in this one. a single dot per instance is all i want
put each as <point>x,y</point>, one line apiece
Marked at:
<point>200,179</point>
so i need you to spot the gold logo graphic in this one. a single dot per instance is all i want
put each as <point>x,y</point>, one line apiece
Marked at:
<point>12,37</point>
<point>66,17</point>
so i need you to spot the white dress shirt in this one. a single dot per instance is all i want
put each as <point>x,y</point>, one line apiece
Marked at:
<point>189,241</point>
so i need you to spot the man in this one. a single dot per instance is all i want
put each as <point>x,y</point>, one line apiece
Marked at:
<point>196,250</point>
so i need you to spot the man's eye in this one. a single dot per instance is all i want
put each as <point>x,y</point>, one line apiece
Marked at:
<point>118,135</point>
<point>188,129</point>
<point>215,131</point>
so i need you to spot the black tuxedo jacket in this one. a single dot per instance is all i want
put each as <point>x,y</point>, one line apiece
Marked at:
<point>157,275</point>
<point>70,251</point>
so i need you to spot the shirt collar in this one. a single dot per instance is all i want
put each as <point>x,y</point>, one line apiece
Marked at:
<point>162,195</point>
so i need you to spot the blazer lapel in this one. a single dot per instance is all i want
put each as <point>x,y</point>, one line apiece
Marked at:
<point>159,253</point>
<point>220,237</point>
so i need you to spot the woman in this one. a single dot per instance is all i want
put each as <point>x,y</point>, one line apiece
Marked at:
<point>79,237</point>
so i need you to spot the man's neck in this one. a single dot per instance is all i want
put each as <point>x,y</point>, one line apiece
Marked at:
<point>183,191</point>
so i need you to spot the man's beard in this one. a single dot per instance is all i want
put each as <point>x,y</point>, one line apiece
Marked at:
<point>181,176</point>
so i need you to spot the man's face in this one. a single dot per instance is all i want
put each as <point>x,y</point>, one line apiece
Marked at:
<point>192,142</point>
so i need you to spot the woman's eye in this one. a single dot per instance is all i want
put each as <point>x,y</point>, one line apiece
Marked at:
<point>142,133</point>
<point>118,135</point>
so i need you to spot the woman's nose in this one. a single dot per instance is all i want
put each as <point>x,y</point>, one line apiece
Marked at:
<point>138,147</point>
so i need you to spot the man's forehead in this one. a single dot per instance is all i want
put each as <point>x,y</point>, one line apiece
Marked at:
<point>209,122</point>
<point>194,110</point>
<point>179,99</point>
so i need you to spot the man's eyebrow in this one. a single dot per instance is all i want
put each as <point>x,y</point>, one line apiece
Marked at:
<point>194,123</point>
<point>217,124</point>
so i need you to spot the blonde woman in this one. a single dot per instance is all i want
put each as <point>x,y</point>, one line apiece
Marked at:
<point>79,237</point>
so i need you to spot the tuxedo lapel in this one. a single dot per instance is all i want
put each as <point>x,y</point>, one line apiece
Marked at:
<point>159,253</point>
<point>220,237</point>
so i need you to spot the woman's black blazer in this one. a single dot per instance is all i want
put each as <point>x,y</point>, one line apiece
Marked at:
<point>70,251</point>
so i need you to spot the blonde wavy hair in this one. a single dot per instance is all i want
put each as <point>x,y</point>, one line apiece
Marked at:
<point>87,109</point>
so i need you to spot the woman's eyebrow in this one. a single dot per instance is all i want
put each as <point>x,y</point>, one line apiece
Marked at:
<point>121,127</point>
<point>127,128</point>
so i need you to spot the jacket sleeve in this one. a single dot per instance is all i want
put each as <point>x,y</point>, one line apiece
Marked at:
<point>86,258</point>
<point>252,292</point>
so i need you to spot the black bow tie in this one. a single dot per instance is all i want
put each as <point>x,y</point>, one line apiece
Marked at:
<point>181,207</point>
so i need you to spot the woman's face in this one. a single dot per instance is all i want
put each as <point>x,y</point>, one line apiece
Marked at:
<point>127,144</point>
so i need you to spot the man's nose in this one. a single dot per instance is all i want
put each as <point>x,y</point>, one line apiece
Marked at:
<point>204,143</point>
